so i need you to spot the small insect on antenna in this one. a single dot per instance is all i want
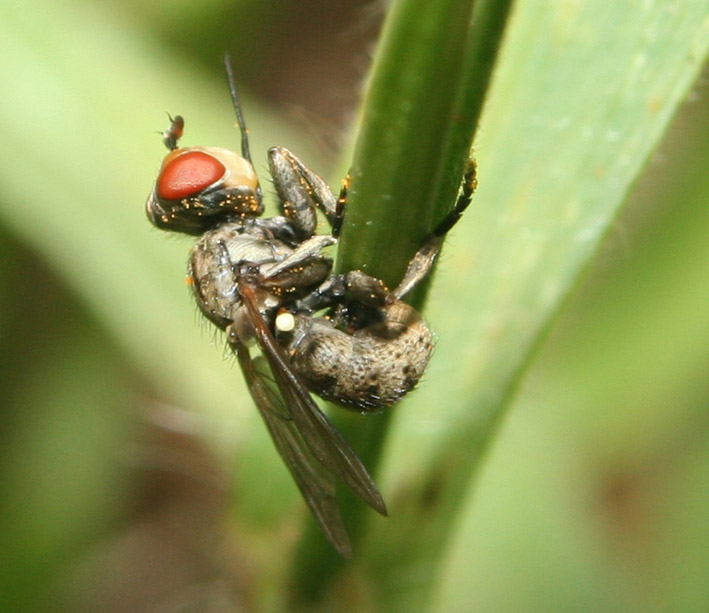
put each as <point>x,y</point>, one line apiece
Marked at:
<point>237,108</point>
<point>174,132</point>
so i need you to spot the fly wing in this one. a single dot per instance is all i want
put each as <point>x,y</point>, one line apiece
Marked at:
<point>316,484</point>
<point>323,441</point>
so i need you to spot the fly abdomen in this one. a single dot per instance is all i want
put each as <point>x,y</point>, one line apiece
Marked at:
<point>369,369</point>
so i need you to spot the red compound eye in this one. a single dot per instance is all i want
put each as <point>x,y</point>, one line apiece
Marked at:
<point>187,174</point>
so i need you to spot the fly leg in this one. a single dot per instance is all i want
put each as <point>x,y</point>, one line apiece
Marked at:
<point>342,291</point>
<point>340,207</point>
<point>329,293</point>
<point>302,254</point>
<point>300,191</point>
<point>422,262</point>
<point>356,287</point>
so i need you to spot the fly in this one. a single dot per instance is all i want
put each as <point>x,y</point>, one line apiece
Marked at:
<point>345,337</point>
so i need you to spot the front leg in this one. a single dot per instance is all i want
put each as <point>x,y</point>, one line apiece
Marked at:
<point>300,191</point>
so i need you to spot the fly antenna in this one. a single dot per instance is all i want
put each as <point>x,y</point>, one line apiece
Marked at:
<point>237,108</point>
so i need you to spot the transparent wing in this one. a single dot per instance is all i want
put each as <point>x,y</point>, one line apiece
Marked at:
<point>314,451</point>
<point>316,485</point>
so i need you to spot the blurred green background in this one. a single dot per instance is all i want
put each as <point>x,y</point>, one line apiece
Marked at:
<point>136,474</point>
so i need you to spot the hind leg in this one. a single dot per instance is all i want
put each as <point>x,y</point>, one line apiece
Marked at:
<point>422,262</point>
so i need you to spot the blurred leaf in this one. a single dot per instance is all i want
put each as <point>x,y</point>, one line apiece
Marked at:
<point>85,98</point>
<point>581,98</point>
<point>81,152</point>
<point>602,469</point>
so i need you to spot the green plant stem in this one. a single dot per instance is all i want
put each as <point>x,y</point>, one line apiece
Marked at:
<point>424,101</point>
<point>408,112</point>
